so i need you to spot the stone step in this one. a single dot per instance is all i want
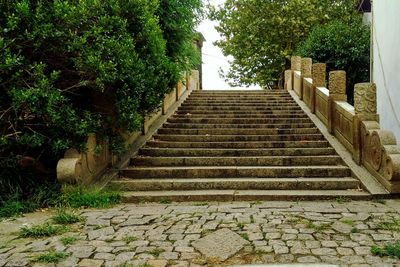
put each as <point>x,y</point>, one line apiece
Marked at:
<point>240,101</point>
<point>240,108</point>
<point>206,112</point>
<point>240,121</point>
<point>237,161</point>
<point>242,195</point>
<point>201,152</point>
<point>234,104</point>
<point>225,131</point>
<point>316,183</point>
<point>236,171</point>
<point>234,138</point>
<point>256,144</point>
<point>236,125</point>
<point>244,116</point>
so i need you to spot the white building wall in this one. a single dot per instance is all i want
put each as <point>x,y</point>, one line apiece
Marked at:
<point>386,62</point>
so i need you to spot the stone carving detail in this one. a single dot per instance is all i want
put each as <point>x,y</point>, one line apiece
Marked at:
<point>295,63</point>
<point>375,151</point>
<point>318,71</point>
<point>365,98</point>
<point>306,67</point>
<point>337,82</point>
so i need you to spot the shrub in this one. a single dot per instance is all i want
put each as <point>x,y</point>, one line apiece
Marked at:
<point>342,46</point>
<point>72,68</point>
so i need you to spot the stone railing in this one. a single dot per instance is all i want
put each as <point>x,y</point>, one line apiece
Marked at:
<point>86,167</point>
<point>356,127</point>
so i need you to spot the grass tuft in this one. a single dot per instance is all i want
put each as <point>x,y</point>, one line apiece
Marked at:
<point>391,250</point>
<point>200,204</point>
<point>393,225</point>
<point>244,236</point>
<point>165,201</point>
<point>156,252</point>
<point>343,199</point>
<point>348,222</point>
<point>68,240</point>
<point>129,239</point>
<point>64,217</point>
<point>51,256</point>
<point>42,230</point>
<point>77,197</point>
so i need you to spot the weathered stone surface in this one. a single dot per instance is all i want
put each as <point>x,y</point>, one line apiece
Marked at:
<point>337,82</point>
<point>341,227</point>
<point>221,244</point>
<point>95,234</point>
<point>365,98</point>
<point>319,74</point>
<point>90,263</point>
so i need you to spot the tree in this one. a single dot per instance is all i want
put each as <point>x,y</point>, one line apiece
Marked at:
<point>262,34</point>
<point>342,46</point>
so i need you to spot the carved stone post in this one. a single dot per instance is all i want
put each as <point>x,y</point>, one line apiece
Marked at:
<point>295,62</point>
<point>305,73</point>
<point>288,80</point>
<point>318,74</point>
<point>365,110</point>
<point>337,92</point>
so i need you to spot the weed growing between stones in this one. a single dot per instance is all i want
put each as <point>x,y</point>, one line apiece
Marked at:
<point>393,225</point>
<point>391,250</point>
<point>200,204</point>
<point>156,252</point>
<point>68,240</point>
<point>342,199</point>
<point>244,236</point>
<point>50,257</point>
<point>129,239</point>
<point>77,197</point>
<point>64,217</point>
<point>42,230</point>
<point>318,227</point>
<point>165,201</point>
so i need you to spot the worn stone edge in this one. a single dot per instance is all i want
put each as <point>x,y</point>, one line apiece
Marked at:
<point>367,180</point>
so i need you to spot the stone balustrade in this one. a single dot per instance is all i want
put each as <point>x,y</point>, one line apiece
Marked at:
<point>88,166</point>
<point>356,127</point>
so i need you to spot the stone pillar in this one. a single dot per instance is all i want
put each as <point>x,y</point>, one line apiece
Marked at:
<point>365,110</point>
<point>305,73</point>
<point>337,92</point>
<point>295,63</point>
<point>318,74</point>
<point>288,80</point>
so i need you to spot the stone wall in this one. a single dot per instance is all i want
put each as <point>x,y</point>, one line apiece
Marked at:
<point>356,127</point>
<point>87,167</point>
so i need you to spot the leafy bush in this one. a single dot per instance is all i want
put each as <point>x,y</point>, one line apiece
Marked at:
<point>343,46</point>
<point>70,68</point>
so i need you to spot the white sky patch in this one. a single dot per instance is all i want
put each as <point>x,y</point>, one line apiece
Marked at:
<point>213,59</point>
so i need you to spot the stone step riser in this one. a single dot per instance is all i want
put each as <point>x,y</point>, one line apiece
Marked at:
<point>239,108</point>
<point>235,126</point>
<point>246,121</point>
<point>168,152</point>
<point>236,161</point>
<point>237,184</point>
<point>236,112</point>
<point>229,145</point>
<point>236,138</point>
<point>283,116</point>
<point>233,172</point>
<point>233,101</point>
<point>239,131</point>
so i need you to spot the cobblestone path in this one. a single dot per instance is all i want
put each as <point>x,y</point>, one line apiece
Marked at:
<point>167,234</point>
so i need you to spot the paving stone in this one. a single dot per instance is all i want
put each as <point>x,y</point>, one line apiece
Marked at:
<point>278,249</point>
<point>272,236</point>
<point>184,249</point>
<point>94,221</point>
<point>308,259</point>
<point>81,251</point>
<point>255,236</point>
<point>90,263</point>
<point>382,237</point>
<point>95,234</point>
<point>169,255</point>
<point>323,251</point>
<point>221,244</point>
<point>104,256</point>
<point>68,262</point>
<point>329,244</point>
<point>345,251</point>
<point>157,263</point>
<point>362,250</point>
<point>18,259</point>
<point>341,227</point>
<point>125,256</point>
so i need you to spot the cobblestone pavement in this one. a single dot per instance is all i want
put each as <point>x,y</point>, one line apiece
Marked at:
<point>166,234</point>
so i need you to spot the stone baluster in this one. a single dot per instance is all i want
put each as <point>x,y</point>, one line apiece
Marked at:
<point>337,92</point>
<point>305,69</point>
<point>318,74</point>
<point>295,62</point>
<point>365,110</point>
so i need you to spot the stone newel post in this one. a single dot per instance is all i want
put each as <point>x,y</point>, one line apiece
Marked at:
<point>295,62</point>
<point>365,110</point>
<point>305,73</point>
<point>337,92</point>
<point>318,74</point>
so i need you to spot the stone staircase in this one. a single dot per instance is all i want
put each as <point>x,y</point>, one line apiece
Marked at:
<point>237,145</point>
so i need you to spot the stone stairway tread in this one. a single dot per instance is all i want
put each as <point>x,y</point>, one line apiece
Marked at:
<point>241,195</point>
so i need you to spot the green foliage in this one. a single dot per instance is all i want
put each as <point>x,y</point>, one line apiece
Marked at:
<point>64,217</point>
<point>39,196</point>
<point>77,197</point>
<point>42,230</point>
<point>68,240</point>
<point>391,250</point>
<point>262,34</point>
<point>342,46</point>
<point>51,256</point>
<point>392,225</point>
<point>72,68</point>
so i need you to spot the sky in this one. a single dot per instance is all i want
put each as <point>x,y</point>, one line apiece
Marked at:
<point>213,59</point>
